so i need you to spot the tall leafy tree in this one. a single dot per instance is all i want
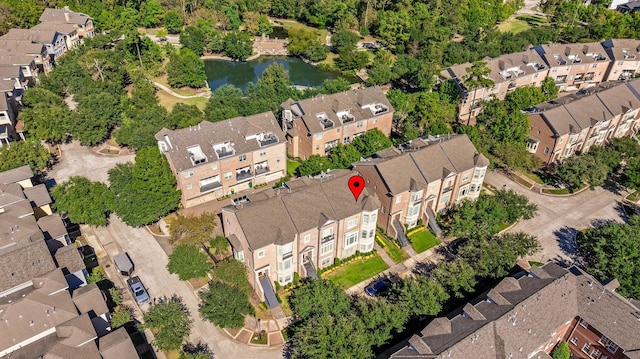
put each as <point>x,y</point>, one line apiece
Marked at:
<point>85,201</point>
<point>185,68</point>
<point>238,45</point>
<point>457,277</point>
<point>189,229</point>
<point>224,305</point>
<point>225,102</point>
<point>477,77</point>
<point>318,299</point>
<point>172,22</point>
<point>188,262</point>
<point>613,251</point>
<point>22,153</point>
<point>169,319</point>
<point>419,296</point>
<point>148,181</point>
<point>371,142</point>
<point>193,38</point>
<point>94,118</point>
<point>183,115</point>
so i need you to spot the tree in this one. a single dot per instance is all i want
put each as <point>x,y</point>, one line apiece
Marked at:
<point>549,88</point>
<point>169,319</point>
<point>613,251</point>
<point>493,257</point>
<point>193,39</point>
<point>225,102</point>
<point>188,262</point>
<point>419,296</point>
<point>183,116</point>
<point>172,22</point>
<point>224,305</point>
<point>121,316</point>
<point>151,13</point>
<point>304,42</point>
<point>233,273</point>
<point>457,277</point>
<point>22,153</point>
<point>371,142</point>
<point>319,299</point>
<point>150,182</point>
<point>238,45</point>
<point>314,165</point>
<point>561,351</point>
<point>196,351</point>
<point>45,115</point>
<point>477,77</point>
<point>185,68</point>
<point>330,86</point>
<point>190,229</point>
<point>577,170</point>
<point>85,201</point>
<point>94,118</point>
<point>352,61</point>
<point>342,156</point>
<point>344,41</point>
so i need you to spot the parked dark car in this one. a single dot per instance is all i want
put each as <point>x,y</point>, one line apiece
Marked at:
<point>138,290</point>
<point>378,288</point>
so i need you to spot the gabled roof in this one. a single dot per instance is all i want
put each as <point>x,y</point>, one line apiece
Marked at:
<point>58,15</point>
<point>69,257</point>
<point>38,195</point>
<point>426,161</point>
<point>117,345</point>
<point>310,204</point>
<point>23,261</point>
<point>516,317</point>
<point>44,36</point>
<point>89,298</point>
<point>16,175</point>
<point>238,131</point>
<point>357,102</point>
<point>52,226</point>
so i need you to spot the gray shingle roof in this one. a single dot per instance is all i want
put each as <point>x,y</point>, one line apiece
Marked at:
<point>38,195</point>
<point>206,134</point>
<point>69,257</point>
<point>117,345</point>
<point>52,226</point>
<point>23,262</point>
<point>518,315</point>
<point>90,298</point>
<point>38,36</point>
<point>311,203</point>
<point>352,100</point>
<point>426,164</point>
<point>58,15</point>
<point>16,175</point>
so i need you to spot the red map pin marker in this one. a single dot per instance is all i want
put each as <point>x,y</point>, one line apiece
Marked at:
<point>356,185</point>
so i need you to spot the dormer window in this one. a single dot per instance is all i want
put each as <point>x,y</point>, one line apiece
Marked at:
<point>346,116</point>
<point>574,59</point>
<point>224,149</point>
<point>324,120</point>
<point>628,55</point>
<point>559,60</point>
<point>196,155</point>
<point>379,108</point>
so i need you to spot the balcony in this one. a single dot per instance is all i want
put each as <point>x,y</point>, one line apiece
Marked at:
<point>512,87</point>
<point>225,152</point>
<point>379,109</point>
<point>210,187</point>
<point>447,189</point>
<point>346,118</point>
<point>268,139</point>
<point>262,170</point>
<point>326,123</point>
<point>328,238</point>
<point>243,175</point>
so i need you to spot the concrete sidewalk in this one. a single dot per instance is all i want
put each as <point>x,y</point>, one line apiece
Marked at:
<point>272,328</point>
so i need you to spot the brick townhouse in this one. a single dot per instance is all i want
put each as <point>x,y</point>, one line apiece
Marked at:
<point>625,58</point>
<point>525,316</point>
<point>305,225</point>
<point>574,123</point>
<point>215,159</point>
<point>314,126</point>
<point>508,72</point>
<point>422,178</point>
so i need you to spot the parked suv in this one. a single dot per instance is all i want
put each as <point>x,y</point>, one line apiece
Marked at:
<point>378,288</point>
<point>138,290</point>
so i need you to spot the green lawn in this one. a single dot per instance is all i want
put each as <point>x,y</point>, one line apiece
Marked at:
<point>291,167</point>
<point>422,241</point>
<point>356,272</point>
<point>514,26</point>
<point>556,191</point>
<point>521,180</point>
<point>633,197</point>
<point>396,254</point>
<point>534,177</point>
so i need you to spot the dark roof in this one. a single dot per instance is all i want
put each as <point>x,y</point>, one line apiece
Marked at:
<point>58,15</point>
<point>23,263</point>
<point>89,298</point>
<point>38,195</point>
<point>117,345</point>
<point>69,257</point>
<point>358,102</point>
<point>425,162</point>
<point>16,175</point>
<point>573,113</point>
<point>52,226</point>
<point>37,36</point>
<point>241,131</point>
<point>516,317</point>
<point>310,204</point>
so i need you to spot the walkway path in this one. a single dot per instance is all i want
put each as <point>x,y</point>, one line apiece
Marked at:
<point>206,94</point>
<point>383,254</point>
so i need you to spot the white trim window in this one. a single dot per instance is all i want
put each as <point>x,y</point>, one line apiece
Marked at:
<point>326,248</point>
<point>350,239</point>
<point>326,261</point>
<point>238,255</point>
<point>307,238</point>
<point>352,223</point>
<point>365,219</point>
<point>260,254</point>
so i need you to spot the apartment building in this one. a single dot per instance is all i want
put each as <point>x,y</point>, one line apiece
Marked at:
<point>82,22</point>
<point>625,58</point>
<point>575,66</point>
<point>212,160</point>
<point>422,178</point>
<point>69,32</point>
<point>53,40</point>
<point>314,126</point>
<point>24,47</point>
<point>574,123</point>
<point>508,72</point>
<point>305,225</point>
<point>526,315</point>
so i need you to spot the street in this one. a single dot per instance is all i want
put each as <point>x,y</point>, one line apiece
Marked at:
<point>560,218</point>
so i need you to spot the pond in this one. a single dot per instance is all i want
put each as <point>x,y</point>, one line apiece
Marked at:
<point>240,74</point>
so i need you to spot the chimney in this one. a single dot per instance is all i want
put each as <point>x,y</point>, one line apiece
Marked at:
<point>567,51</point>
<point>525,59</point>
<point>585,49</point>
<point>66,13</point>
<point>501,64</point>
<point>166,138</point>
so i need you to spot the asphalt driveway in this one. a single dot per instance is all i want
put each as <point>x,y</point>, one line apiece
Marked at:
<point>560,218</point>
